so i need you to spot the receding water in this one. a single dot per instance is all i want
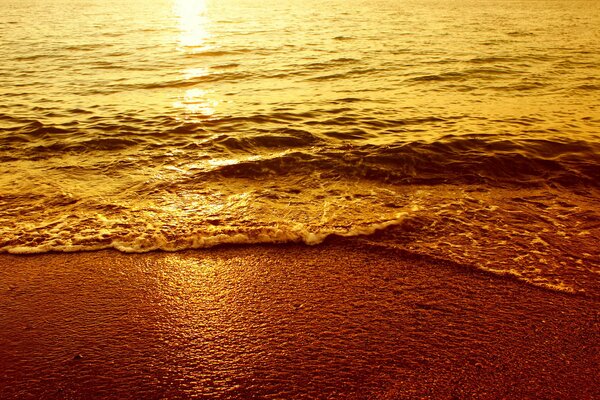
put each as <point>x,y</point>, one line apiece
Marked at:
<point>466,130</point>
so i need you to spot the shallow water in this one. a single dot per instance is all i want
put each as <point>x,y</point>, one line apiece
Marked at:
<point>467,130</point>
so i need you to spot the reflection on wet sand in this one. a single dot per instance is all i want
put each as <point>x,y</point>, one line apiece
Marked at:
<point>340,320</point>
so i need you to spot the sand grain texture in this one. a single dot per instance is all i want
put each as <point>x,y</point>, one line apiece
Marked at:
<point>340,320</point>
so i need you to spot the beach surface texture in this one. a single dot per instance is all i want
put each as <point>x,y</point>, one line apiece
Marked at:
<point>286,199</point>
<point>340,320</point>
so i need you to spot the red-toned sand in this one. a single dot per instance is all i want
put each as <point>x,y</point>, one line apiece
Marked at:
<point>333,321</point>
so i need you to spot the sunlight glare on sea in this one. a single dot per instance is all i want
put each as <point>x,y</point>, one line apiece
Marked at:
<point>466,130</point>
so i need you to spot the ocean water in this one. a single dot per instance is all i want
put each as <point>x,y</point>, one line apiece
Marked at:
<point>466,131</point>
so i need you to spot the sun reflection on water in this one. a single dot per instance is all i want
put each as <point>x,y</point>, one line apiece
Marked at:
<point>195,103</point>
<point>192,22</point>
<point>191,15</point>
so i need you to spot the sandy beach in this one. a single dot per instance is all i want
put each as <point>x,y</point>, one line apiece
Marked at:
<point>339,320</point>
<point>297,200</point>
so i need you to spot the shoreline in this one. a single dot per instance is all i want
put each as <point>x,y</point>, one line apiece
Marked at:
<point>337,320</point>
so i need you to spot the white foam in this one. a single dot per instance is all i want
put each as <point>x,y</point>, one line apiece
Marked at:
<point>150,241</point>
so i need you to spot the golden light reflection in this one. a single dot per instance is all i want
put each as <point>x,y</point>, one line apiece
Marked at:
<point>195,73</point>
<point>192,23</point>
<point>196,103</point>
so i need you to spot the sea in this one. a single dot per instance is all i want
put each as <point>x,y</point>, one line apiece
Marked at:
<point>466,131</point>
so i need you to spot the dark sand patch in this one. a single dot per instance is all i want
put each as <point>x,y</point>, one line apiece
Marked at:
<point>340,320</point>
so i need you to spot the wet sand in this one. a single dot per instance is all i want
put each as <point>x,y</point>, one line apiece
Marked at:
<point>340,320</point>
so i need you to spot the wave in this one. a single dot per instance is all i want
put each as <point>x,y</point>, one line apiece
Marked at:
<point>215,53</point>
<point>181,83</point>
<point>413,234</point>
<point>495,160</point>
<point>142,242</point>
<point>470,160</point>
